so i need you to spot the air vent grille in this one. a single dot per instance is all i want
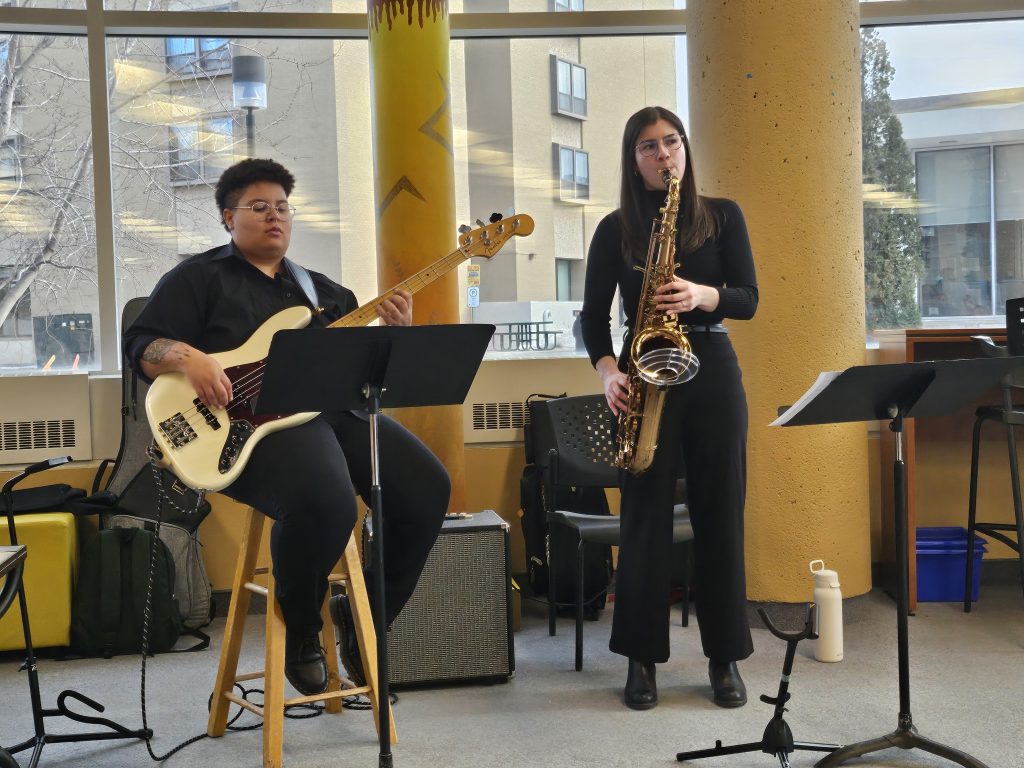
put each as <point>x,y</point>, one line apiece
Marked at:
<point>513,415</point>
<point>32,435</point>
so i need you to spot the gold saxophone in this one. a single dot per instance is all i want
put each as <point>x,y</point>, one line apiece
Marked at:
<point>659,354</point>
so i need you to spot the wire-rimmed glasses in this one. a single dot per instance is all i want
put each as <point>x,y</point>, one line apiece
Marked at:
<point>260,207</point>
<point>649,147</point>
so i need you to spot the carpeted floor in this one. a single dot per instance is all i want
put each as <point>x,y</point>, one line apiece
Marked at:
<point>967,691</point>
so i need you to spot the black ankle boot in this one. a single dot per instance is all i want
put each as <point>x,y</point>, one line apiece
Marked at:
<point>304,663</point>
<point>641,685</point>
<point>727,684</point>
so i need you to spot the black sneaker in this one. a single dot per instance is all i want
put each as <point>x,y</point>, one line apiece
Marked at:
<point>348,645</point>
<point>304,663</point>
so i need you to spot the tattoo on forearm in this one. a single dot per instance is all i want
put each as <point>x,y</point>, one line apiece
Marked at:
<point>156,352</point>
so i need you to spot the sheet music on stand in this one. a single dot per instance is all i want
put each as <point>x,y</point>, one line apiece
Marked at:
<point>824,379</point>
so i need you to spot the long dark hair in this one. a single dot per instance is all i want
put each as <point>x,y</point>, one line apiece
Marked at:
<point>698,223</point>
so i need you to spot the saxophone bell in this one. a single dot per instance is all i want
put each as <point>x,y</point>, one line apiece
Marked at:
<point>667,363</point>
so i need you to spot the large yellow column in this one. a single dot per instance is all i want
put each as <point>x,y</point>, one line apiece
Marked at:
<point>774,91</point>
<point>414,183</point>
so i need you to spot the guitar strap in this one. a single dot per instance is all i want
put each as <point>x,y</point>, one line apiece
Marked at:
<point>301,276</point>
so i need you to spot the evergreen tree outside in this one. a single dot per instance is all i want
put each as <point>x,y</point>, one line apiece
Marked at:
<point>892,236</point>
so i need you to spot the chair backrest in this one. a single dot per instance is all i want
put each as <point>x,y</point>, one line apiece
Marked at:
<point>135,432</point>
<point>1015,326</point>
<point>583,429</point>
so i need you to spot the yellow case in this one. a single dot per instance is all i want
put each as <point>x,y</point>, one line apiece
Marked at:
<point>51,565</point>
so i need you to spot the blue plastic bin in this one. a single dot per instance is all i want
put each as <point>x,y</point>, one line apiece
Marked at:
<point>942,564</point>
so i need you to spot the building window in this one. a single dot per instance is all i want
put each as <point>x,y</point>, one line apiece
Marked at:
<point>18,324</point>
<point>567,5</point>
<point>10,165</point>
<point>563,280</point>
<point>573,173</point>
<point>200,152</point>
<point>198,55</point>
<point>570,88</point>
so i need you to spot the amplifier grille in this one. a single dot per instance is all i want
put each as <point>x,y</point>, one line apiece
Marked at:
<point>512,415</point>
<point>456,624</point>
<point>29,435</point>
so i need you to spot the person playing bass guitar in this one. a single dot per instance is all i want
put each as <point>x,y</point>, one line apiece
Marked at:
<point>303,476</point>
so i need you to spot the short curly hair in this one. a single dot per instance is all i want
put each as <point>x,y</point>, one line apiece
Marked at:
<point>240,175</point>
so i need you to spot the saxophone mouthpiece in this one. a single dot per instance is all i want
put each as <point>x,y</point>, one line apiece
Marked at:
<point>666,175</point>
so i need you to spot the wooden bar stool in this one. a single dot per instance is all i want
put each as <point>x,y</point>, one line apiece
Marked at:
<point>274,702</point>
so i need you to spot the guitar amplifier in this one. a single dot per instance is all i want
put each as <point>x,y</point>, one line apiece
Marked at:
<point>457,626</point>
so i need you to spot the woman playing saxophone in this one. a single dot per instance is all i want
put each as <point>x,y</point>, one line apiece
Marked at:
<point>703,423</point>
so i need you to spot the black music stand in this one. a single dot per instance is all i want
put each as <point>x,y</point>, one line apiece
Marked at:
<point>895,392</point>
<point>364,368</point>
<point>40,737</point>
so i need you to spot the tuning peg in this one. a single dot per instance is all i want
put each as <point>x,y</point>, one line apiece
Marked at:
<point>464,228</point>
<point>495,218</point>
<point>480,223</point>
<point>510,212</point>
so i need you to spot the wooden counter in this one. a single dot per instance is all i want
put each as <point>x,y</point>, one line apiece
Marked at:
<point>916,345</point>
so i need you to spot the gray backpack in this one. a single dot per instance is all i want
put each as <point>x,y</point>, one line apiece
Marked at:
<point>181,512</point>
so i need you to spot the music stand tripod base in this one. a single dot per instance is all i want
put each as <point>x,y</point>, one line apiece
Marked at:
<point>778,738</point>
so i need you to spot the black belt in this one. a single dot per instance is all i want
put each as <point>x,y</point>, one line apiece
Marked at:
<point>715,328</point>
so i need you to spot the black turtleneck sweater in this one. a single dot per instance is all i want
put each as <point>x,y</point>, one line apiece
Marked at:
<point>724,261</point>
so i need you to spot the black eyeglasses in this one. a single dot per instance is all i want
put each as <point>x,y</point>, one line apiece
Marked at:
<point>649,147</point>
<point>284,210</point>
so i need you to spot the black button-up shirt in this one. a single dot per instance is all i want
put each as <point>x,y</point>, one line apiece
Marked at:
<point>215,300</point>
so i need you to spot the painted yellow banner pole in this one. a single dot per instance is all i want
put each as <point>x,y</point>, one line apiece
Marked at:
<point>414,184</point>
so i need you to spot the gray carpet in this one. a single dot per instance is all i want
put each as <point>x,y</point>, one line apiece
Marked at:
<point>967,690</point>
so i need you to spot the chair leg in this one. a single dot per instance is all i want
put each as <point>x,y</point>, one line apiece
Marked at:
<point>551,584</point>
<point>579,605</point>
<point>328,639</point>
<point>687,549</point>
<point>234,627</point>
<point>1011,445</point>
<point>366,634</point>
<point>972,510</point>
<point>273,679</point>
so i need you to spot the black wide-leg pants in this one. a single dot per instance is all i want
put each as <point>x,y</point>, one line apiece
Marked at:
<point>705,420</point>
<point>303,478</point>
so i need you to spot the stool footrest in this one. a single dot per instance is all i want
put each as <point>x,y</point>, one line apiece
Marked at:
<point>255,588</point>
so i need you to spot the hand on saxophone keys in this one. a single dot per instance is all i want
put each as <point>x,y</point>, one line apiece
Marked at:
<point>680,295</point>
<point>616,384</point>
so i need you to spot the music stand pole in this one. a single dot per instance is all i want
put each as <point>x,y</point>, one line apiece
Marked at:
<point>385,758</point>
<point>905,736</point>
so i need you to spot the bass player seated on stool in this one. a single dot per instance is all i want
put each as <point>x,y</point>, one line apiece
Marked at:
<point>302,476</point>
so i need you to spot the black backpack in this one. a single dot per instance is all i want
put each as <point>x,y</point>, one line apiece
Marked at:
<point>110,598</point>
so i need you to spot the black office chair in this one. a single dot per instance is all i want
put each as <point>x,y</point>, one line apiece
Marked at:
<point>583,429</point>
<point>1011,416</point>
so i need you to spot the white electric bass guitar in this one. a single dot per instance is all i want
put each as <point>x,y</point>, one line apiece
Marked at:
<point>207,448</point>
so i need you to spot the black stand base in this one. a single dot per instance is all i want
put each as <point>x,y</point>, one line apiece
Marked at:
<point>39,714</point>
<point>904,737</point>
<point>777,739</point>
<point>41,738</point>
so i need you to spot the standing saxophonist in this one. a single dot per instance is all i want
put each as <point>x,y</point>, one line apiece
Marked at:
<point>704,421</point>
